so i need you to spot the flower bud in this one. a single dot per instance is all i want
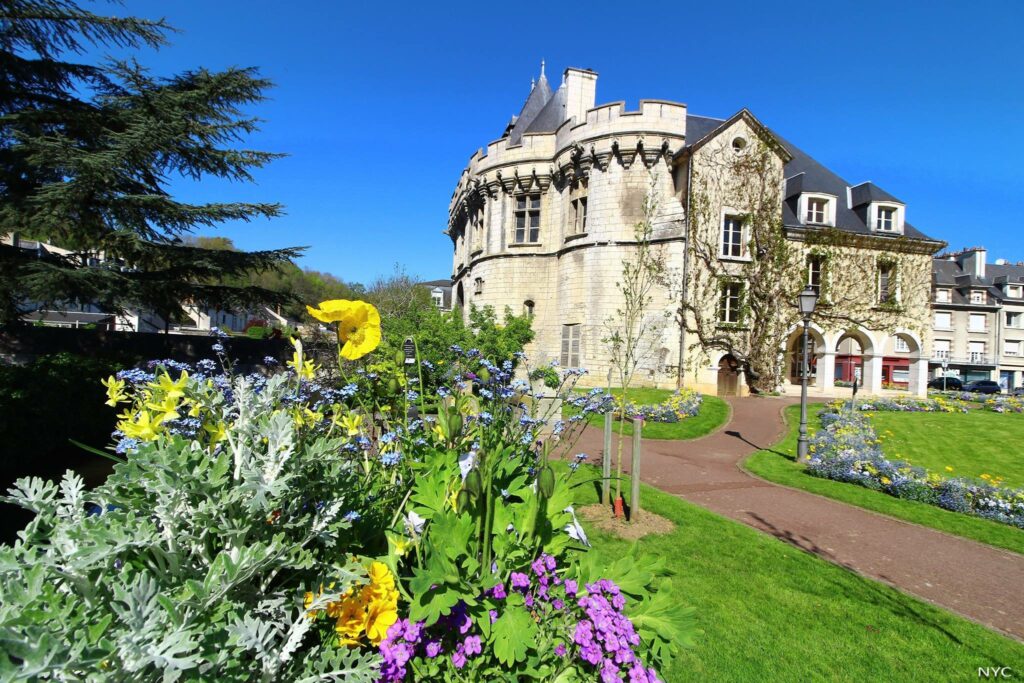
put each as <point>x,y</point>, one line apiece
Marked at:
<point>392,386</point>
<point>454,423</point>
<point>484,375</point>
<point>399,357</point>
<point>463,501</point>
<point>546,481</point>
<point>474,483</point>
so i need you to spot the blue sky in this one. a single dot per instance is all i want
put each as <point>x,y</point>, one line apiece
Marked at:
<point>379,105</point>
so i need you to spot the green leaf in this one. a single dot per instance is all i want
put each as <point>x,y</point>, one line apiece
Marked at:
<point>96,630</point>
<point>512,635</point>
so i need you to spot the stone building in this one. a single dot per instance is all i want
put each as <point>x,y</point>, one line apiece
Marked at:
<point>978,321</point>
<point>543,218</point>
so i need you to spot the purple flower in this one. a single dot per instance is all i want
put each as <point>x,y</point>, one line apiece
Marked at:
<point>498,592</point>
<point>494,615</point>
<point>472,646</point>
<point>609,672</point>
<point>570,588</point>
<point>520,581</point>
<point>434,649</point>
<point>560,650</point>
<point>458,658</point>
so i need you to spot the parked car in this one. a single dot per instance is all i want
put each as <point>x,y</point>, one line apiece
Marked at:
<point>950,383</point>
<point>983,386</point>
<point>1019,391</point>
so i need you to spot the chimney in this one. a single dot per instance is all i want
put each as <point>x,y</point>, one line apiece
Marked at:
<point>580,93</point>
<point>973,261</point>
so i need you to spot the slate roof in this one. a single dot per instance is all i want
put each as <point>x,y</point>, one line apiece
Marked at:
<point>551,116</point>
<point>539,96</point>
<point>446,291</point>
<point>950,274</point>
<point>805,174</point>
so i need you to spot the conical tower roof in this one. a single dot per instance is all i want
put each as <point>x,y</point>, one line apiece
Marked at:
<point>540,94</point>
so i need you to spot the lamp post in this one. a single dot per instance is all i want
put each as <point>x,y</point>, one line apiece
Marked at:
<point>808,300</point>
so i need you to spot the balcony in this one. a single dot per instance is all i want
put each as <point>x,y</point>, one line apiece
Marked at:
<point>975,358</point>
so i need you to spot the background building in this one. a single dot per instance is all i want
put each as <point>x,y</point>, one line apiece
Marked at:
<point>978,318</point>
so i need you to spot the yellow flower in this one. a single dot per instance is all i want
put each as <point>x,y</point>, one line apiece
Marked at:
<point>358,325</point>
<point>948,468</point>
<point>986,476</point>
<point>351,622</point>
<point>305,369</point>
<point>886,481</point>
<point>141,426</point>
<point>379,618</point>
<point>401,546</point>
<point>115,390</point>
<point>167,409</point>
<point>172,389</point>
<point>216,432</point>
<point>351,423</point>
<point>381,577</point>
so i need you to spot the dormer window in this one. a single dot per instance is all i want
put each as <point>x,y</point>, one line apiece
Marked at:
<point>886,218</point>
<point>977,297</point>
<point>816,209</point>
<point>942,296</point>
<point>1015,291</point>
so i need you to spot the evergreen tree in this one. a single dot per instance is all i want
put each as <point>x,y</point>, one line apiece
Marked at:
<point>86,156</point>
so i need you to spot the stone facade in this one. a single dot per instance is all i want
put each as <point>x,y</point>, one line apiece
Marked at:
<point>978,318</point>
<point>542,220</point>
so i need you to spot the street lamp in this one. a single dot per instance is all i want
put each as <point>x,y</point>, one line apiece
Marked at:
<point>808,299</point>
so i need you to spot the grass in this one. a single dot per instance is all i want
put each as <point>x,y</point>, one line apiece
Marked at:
<point>714,412</point>
<point>770,612</point>
<point>974,443</point>
<point>779,465</point>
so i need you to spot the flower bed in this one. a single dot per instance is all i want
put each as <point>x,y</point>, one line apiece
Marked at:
<point>679,406</point>
<point>848,449</point>
<point>302,527</point>
<point>937,404</point>
<point>1004,404</point>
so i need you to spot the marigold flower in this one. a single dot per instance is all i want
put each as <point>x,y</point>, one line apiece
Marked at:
<point>358,325</point>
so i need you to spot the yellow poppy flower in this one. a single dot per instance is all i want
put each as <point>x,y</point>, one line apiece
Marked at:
<point>358,325</point>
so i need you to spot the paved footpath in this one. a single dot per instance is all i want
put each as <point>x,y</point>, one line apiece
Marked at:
<point>981,582</point>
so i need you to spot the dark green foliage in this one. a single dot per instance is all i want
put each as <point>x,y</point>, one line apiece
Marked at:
<point>86,156</point>
<point>42,405</point>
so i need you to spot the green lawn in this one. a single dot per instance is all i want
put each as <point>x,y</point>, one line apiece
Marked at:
<point>770,612</point>
<point>714,412</point>
<point>778,464</point>
<point>974,443</point>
